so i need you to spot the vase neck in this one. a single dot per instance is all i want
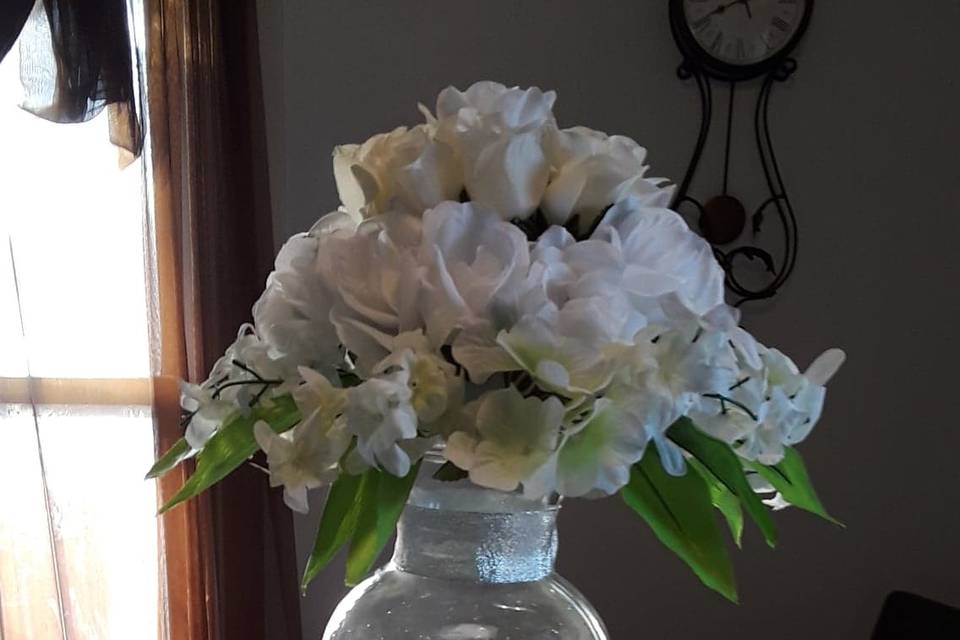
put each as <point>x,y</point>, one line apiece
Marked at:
<point>456,530</point>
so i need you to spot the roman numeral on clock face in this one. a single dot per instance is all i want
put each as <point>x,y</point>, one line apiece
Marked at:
<point>741,49</point>
<point>717,43</point>
<point>781,24</point>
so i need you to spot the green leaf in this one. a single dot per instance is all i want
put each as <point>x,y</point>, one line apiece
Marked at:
<point>232,444</point>
<point>337,525</point>
<point>382,497</point>
<point>680,512</point>
<point>725,465</point>
<point>176,454</point>
<point>449,472</point>
<point>790,478</point>
<point>723,499</point>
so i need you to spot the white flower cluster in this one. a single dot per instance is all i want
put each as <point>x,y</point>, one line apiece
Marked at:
<point>514,293</point>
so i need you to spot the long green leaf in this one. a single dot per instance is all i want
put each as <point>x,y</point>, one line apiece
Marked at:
<point>382,498</point>
<point>337,525</point>
<point>176,454</point>
<point>724,500</point>
<point>231,445</point>
<point>680,512</point>
<point>790,478</point>
<point>725,465</point>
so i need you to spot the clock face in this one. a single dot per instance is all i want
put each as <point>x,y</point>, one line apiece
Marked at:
<point>744,32</point>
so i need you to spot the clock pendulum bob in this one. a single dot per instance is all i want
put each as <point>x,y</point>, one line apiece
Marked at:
<point>722,219</point>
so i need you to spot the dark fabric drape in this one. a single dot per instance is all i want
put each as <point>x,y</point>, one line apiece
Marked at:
<point>78,62</point>
<point>13,15</point>
<point>212,212</point>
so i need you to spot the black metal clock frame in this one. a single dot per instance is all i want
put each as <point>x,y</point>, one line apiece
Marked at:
<point>703,69</point>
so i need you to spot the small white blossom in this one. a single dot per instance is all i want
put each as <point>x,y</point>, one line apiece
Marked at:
<point>597,454</point>
<point>435,387</point>
<point>379,413</point>
<point>206,413</point>
<point>299,459</point>
<point>514,438</point>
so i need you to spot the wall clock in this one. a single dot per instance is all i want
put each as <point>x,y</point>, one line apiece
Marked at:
<point>735,42</point>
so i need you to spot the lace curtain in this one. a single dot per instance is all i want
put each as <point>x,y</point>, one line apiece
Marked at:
<point>76,61</point>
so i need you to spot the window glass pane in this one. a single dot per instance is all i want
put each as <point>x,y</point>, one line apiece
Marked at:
<point>13,362</point>
<point>76,222</point>
<point>102,534</point>
<point>29,604</point>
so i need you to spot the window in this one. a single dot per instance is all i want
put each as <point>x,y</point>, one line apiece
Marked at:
<point>79,550</point>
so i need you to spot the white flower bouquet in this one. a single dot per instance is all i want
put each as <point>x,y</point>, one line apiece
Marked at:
<point>517,297</point>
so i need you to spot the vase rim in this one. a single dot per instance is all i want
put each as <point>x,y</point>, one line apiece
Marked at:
<point>465,496</point>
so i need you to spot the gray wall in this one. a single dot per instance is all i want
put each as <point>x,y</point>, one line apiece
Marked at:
<point>868,135</point>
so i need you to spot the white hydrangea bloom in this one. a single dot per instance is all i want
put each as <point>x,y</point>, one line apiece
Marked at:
<point>771,407</point>
<point>659,255</point>
<point>248,373</point>
<point>293,314</point>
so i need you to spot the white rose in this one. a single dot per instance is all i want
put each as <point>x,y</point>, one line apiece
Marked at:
<point>504,108</point>
<point>406,170</point>
<point>474,268</point>
<point>377,284</point>
<point>498,132</point>
<point>594,171</point>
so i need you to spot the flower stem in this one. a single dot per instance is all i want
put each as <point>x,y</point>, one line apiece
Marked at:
<point>724,400</point>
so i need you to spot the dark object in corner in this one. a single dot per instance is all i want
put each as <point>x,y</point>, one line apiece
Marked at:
<point>13,15</point>
<point>906,616</point>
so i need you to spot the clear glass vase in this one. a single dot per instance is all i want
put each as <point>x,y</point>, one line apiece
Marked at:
<point>469,564</point>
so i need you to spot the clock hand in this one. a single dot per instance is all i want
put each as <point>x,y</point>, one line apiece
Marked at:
<point>723,7</point>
